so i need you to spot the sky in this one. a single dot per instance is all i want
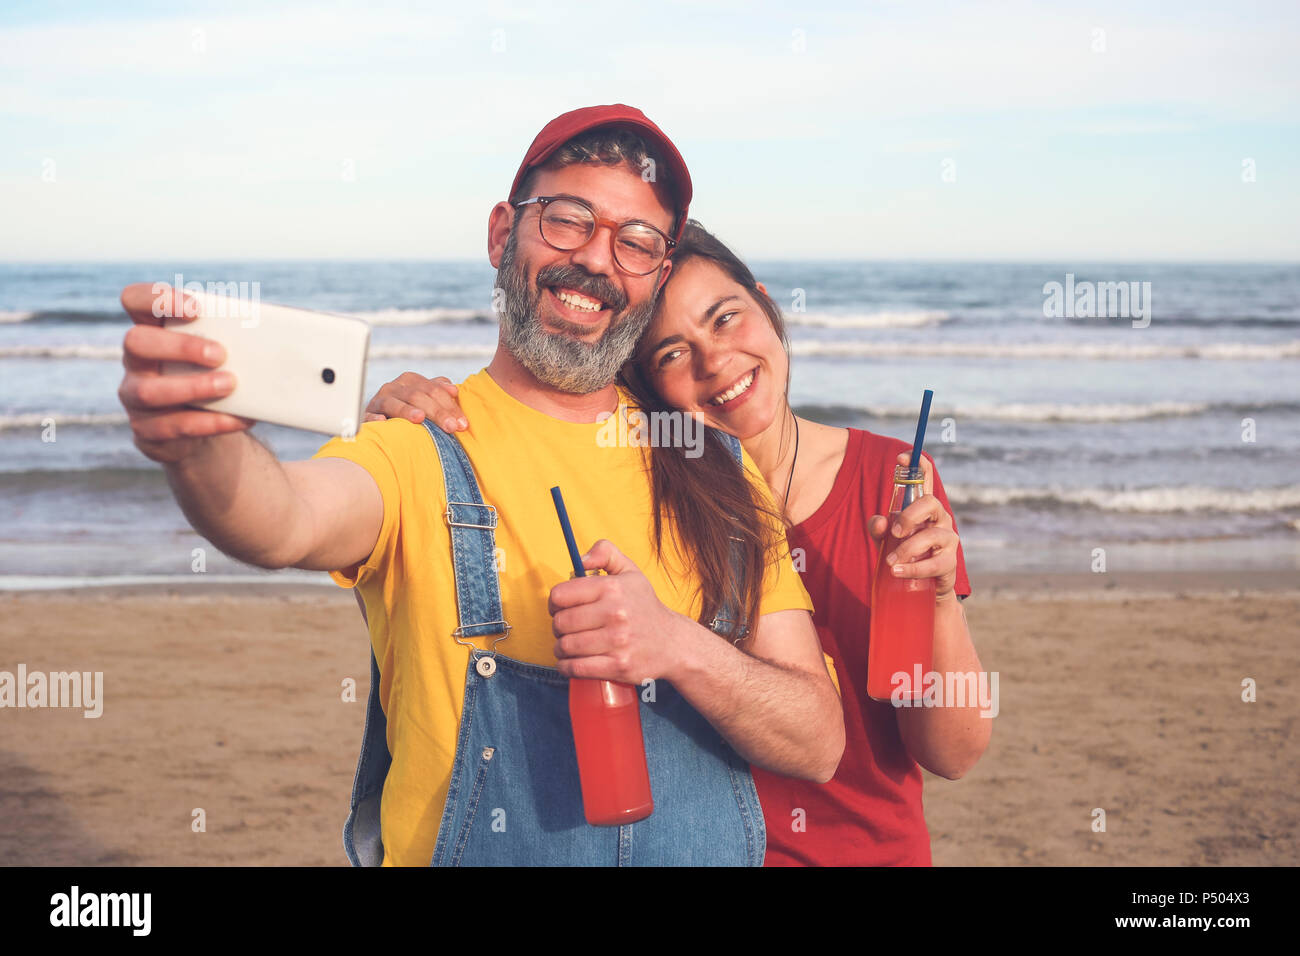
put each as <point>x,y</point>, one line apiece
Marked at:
<point>1125,131</point>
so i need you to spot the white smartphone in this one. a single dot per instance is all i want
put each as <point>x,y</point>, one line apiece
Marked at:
<point>292,366</point>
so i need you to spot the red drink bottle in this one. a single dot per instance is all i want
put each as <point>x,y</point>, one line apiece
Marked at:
<point>902,609</point>
<point>606,719</point>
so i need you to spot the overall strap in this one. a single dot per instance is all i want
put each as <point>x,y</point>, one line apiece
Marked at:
<point>362,840</point>
<point>727,622</point>
<point>473,544</point>
<point>478,604</point>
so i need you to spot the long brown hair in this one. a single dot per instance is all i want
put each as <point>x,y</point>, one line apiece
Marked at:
<point>708,497</point>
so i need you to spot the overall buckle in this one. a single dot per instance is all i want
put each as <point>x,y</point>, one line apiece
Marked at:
<point>483,512</point>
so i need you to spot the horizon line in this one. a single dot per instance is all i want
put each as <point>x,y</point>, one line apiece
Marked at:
<point>799,259</point>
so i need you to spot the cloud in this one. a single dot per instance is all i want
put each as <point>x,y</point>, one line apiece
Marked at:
<point>223,45</point>
<point>1131,127</point>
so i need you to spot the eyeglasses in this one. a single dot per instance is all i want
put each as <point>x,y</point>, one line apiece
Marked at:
<point>568,224</point>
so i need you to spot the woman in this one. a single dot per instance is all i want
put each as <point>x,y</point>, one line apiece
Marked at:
<point>717,347</point>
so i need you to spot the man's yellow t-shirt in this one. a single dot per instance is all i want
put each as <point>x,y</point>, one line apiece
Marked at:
<point>518,454</point>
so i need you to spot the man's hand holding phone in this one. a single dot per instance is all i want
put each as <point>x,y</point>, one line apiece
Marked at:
<point>157,402</point>
<point>275,363</point>
<point>320,514</point>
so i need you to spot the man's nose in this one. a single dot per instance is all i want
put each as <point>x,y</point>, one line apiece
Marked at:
<point>595,255</point>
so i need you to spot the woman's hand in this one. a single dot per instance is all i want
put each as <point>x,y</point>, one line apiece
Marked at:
<point>612,626</point>
<point>929,543</point>
<point>414,397</point>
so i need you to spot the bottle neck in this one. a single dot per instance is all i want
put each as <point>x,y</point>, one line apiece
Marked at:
<point>908,487</point>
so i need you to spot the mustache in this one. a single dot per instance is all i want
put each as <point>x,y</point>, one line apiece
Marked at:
<point>580,280</point>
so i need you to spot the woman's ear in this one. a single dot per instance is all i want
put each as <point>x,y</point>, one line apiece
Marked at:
<point>762,288</point>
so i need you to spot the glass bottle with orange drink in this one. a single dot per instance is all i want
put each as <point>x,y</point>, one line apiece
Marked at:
<point>607,738</point>
<point>901,640</point>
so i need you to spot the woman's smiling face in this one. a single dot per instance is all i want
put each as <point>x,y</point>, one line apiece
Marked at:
<point>711,349</point>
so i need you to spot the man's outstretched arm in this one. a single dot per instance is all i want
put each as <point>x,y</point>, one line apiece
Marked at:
<point>319,515</point>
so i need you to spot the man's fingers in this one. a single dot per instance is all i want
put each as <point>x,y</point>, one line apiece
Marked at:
<point>190,423</point>
<point>581,617</point>
<point>138,302</point>
<point>151,303</point>
<point>155,401</point>
<point>576,591</point>
<point>147,343</point>
<point>588,643</point>
<point>150,392</point>
<point>604,556</point>
<point>589,668</point>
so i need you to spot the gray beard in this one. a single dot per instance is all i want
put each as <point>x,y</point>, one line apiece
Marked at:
<point>554,358</point>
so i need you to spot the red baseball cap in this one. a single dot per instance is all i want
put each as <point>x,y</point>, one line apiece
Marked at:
<point>568,125</point>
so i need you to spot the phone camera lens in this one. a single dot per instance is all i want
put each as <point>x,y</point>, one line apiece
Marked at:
<point>328,375</point>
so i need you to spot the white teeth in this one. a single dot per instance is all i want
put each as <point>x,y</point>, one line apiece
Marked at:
<point>579,302</point>
<point>735,390</point>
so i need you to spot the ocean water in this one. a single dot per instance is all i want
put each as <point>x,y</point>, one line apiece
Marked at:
<point>1171,440</point>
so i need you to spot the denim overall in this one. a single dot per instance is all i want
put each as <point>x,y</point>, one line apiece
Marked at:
<point>514,796</point>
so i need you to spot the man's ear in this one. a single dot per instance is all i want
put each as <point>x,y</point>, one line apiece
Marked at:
<point>500,220</point>
<point>666,268</point>
<point>762,288</point>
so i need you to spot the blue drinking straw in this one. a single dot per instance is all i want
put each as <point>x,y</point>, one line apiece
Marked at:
<point>578,570</point>
<point>920,428</point>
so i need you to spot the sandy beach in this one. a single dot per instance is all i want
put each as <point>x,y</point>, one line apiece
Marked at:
<point>1123,694</point>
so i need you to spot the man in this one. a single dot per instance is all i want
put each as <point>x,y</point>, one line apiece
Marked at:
<point>474,624</point>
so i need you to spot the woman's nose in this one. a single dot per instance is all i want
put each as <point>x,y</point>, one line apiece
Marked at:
<point>709,361</point>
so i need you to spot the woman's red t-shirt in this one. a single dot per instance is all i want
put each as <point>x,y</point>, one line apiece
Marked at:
<point>869,813</point>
